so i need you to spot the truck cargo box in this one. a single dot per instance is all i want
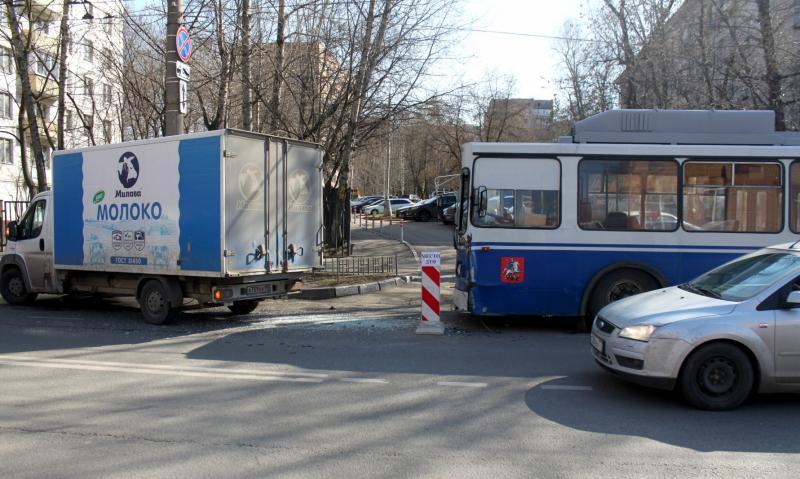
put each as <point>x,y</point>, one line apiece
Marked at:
<point>217,204</point>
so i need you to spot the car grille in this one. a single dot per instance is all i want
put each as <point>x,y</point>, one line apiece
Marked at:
<point>604,326</point>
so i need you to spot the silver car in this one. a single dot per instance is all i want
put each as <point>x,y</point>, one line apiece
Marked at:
<point>731,332</point>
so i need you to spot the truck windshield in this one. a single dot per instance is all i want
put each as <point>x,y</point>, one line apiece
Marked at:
<point>744,278</point>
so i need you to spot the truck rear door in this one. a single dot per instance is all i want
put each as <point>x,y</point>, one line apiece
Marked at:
<point>303,206</point>
<point>245,205</point>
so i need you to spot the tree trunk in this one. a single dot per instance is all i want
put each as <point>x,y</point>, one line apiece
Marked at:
<point>28,102</point>
<point>772,76</point>
<point>247,105</point>
<point>277,82</point>
<point>62,73</point>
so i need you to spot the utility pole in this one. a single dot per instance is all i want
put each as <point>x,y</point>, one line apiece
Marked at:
<point>174,117</point>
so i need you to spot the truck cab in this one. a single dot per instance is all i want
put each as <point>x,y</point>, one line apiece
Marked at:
<point>27,265</point>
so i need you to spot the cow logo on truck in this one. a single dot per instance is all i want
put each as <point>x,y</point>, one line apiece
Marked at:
<point>128,169</point>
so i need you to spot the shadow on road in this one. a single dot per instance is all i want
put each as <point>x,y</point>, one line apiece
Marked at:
<point>619,408</point>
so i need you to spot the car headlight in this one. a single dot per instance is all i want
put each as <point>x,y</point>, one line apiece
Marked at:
<point>641,332</point>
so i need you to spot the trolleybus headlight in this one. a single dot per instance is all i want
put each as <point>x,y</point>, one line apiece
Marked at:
<point>641,332</point>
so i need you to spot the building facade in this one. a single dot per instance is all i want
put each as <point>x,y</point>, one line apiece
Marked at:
<point>92,88</point>
<point>518,119</point>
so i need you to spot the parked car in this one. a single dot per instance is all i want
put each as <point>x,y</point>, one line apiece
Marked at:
<point>399,210</point>
<point>430,208</point>
<point>363,200</point>
<point>730,332</point>
<point>377,208</point>
<point>373,201</point>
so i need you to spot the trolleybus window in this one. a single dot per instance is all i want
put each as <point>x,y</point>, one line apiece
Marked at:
<point>794,197</point>
<point>528,198</point>
<point>732,196</point>
<point>628,195</point>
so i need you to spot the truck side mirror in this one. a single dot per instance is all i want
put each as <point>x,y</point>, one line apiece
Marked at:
<point>11,231</point>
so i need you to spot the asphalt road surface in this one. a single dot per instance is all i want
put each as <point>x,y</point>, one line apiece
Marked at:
<point>344,388</point>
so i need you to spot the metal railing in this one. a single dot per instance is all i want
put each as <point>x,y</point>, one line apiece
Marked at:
<point>361,266</point>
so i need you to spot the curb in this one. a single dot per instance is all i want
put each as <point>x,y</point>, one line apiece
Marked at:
<point>331,292</point>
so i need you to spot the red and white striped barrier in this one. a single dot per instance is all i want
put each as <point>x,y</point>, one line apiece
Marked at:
<point>430,308</point>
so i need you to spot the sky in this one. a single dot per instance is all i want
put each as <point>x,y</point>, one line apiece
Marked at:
<point>531,60</point>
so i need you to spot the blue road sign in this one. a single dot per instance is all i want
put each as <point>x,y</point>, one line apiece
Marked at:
<point>183,44</point>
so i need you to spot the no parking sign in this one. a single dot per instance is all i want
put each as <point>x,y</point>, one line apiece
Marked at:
<point>184,44</point>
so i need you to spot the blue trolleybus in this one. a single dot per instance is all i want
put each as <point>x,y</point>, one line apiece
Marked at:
<point>632,201</point>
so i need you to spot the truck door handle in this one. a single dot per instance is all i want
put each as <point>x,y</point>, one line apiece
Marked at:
<point>41,244</point>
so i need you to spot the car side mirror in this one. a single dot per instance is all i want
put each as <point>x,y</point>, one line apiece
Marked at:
<point>793,300</point>
<point>11,231</point>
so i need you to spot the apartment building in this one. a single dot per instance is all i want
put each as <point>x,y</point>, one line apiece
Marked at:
<point>92,91</point>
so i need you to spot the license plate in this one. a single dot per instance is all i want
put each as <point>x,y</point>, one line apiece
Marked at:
<point>598,344</point>
<point>253,290</point>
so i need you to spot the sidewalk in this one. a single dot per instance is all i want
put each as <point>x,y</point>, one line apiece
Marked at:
<point>372,243</point>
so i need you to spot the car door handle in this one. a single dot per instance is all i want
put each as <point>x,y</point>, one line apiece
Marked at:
<point>41,244</point>
<point>763,325</point>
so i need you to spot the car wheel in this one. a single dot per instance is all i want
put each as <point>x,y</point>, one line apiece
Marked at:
<point>717,377</point>
<point>13,289</point>
<point>155,303</point>
<point>244,307</point>
<point>424,215</point>
<point>374,212</point>
<point>617,285</point>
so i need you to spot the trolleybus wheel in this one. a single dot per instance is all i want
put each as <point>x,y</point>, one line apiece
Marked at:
<point>617,285</point>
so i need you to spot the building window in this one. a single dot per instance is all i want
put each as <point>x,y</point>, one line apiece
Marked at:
<point>88,87</point>
<point>6,60</point>
<point>107,93</point>
<point>42,26</point>
<point>628,195</point>
<point>107,130</point>
<point>6,151</point>
<point>732,196</point>
<point>109,25</point>
<point>88,51</point>
<point>6,106</point>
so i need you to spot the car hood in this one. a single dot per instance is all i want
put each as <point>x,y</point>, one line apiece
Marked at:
<point>663,306</point>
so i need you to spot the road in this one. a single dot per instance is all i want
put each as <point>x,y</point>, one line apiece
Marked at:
<point>344,388</point>
<point>423,236</point>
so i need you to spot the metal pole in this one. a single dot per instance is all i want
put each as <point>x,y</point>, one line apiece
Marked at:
<point>174,117</point>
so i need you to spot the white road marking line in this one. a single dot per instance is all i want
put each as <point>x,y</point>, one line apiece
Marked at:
<point>55,317</point>
<point>364,380</point>
<point>462,384</point>
<point>159,366</point>
<point>566,388</point>
<point>161,372</point>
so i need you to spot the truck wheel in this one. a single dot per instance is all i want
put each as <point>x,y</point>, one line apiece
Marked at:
<point>243,307</point>
<point>617,285</point>
<point>13,289</point>
<point>717,377</point>
<point>155,304</point>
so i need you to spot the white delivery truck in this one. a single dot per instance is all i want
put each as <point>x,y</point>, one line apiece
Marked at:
<point>222,217</point>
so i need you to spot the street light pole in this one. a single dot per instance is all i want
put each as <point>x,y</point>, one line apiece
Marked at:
<point>174,117</point>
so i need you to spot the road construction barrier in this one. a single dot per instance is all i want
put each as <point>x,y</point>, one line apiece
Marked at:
<point>430,307</point>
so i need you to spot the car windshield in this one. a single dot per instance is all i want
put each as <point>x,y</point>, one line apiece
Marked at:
<point>746,277</point>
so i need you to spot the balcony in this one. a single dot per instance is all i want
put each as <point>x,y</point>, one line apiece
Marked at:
<point>40,41</point>
<point>44,9</point>
<point>46,89</point>
<point>50,127</point>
